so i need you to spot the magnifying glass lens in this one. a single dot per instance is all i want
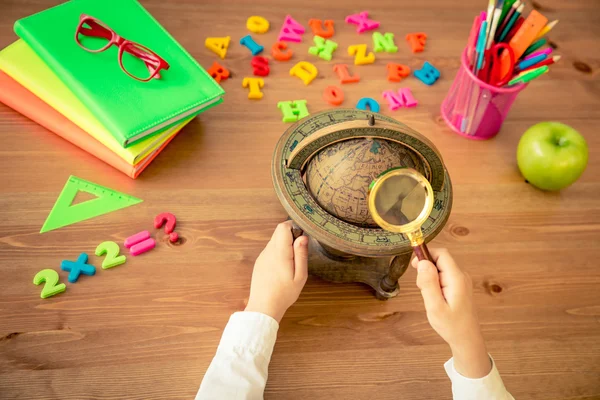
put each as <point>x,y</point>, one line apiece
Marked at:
<point>400,199</point>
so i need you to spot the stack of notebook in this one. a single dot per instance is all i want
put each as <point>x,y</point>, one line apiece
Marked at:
<point>106,76</point>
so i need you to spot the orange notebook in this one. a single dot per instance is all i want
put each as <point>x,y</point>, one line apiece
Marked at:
<point>22,100</point>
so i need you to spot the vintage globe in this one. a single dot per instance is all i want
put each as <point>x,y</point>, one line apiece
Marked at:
<point>338,177</point>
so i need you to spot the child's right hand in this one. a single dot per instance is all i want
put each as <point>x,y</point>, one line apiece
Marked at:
<point>448,301</point>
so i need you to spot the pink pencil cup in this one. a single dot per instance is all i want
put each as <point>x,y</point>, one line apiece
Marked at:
<point>475,109</point>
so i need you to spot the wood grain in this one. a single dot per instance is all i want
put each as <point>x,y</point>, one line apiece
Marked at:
<point>149,328</point>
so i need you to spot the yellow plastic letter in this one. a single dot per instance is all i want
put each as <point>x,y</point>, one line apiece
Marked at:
<point>305,71</point>
<point>361,57</point>
<point>256,24</point>
<point>255,84</point>
<point>218,44</point>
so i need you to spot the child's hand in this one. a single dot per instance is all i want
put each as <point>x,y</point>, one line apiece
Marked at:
<point>448,300</point>
<point>279,274</point>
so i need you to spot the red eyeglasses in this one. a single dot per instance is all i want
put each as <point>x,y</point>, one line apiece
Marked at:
<point>137,61</point>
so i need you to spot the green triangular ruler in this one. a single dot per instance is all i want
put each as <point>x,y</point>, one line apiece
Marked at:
<point>63,213</point>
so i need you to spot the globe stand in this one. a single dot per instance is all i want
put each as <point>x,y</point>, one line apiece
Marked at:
<point>380,273</point>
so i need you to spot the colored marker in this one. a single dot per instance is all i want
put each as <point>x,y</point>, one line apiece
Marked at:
<point>529,75</point>
<point>534,46</point>
<point>532,61</point>
<point>546,51</point>
<point>473,38</point>
<point>481,45</point>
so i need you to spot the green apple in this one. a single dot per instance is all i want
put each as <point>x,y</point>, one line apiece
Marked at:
<point>551,155</point>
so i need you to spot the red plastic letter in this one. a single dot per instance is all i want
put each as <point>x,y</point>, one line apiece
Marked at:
<point>260,65</point>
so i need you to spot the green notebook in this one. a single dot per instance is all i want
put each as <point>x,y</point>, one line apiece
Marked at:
<point>128,108</point>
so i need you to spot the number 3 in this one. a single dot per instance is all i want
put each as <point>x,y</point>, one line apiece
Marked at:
<point>111,249</point>
<point>51,288</point>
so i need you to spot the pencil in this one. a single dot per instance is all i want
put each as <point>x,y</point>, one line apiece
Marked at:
<point>511,23</point>
<point>547,62</point>
<point>508,4</point>
<point>514,29</point>
<point>507,18</point>
<point>534,46</point>
<point>546,51</point>
<point>546,29</point>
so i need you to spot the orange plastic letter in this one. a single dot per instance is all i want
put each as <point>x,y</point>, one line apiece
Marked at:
<point>280,55</point>
<point>397,71</point>
<point>317,27</point>
<point>342,71</point>
<point>333,95</point>
<point>218,72</point>
<point>417,41</point>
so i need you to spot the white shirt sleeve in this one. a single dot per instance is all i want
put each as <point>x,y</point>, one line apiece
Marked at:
<point>239,369</point>
<point>490,387</point>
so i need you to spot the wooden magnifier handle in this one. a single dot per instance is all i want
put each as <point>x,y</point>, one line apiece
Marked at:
<point>422,252</point>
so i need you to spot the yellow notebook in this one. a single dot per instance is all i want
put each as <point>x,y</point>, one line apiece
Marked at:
<point>21,63</point>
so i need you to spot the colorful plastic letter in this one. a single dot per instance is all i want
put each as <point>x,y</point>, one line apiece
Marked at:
<point>142,247</point>
<point>256,24</point>
<point>293,110</point>
<point>333,95</point>
<point>396,72</point>
<point>254,47</point>
<point>384,42</point>
<point>416,41</point>
<point>278,54</point>
<point>324,48</point>
<point>317,27</point>
<point>305,71</point>
<point>218,72</point>
<point>361,57</point>
<point>404,98</point>
<point>291,31</point>
<point>365,102</point>
<point>75,268</point>
<point>260,65</point>
<point>255,84</point>
<point>50,277</point>
<point>342,71</point>
<point>362,21</point>
<point>218,45</point>
<point>428,74</point>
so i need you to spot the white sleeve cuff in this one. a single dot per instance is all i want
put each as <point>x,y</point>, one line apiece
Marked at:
<point>490,387</point>
<point>251,331</point>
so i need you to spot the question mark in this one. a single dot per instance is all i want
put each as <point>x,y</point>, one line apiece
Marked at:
<point>170,220</point>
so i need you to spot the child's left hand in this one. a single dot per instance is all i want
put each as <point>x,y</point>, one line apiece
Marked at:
<point>280,273</point>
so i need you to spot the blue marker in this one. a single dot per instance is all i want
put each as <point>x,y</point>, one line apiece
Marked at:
<point>531,61</point>
<point>480,47</point>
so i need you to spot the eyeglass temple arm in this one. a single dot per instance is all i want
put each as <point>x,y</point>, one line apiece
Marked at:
<point>95,30</point>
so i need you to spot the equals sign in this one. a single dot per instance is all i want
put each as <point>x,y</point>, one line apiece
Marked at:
<point>140,243</point>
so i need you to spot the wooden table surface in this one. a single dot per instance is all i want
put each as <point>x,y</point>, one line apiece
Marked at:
<point>149,328</point>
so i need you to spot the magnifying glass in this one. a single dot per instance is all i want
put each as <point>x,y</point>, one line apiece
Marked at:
<point>400,200</point>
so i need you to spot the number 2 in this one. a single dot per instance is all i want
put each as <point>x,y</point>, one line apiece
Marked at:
<point>51,288</point>
<point>111,249</point>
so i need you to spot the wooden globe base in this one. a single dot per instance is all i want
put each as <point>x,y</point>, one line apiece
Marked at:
<point>380,273</point>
